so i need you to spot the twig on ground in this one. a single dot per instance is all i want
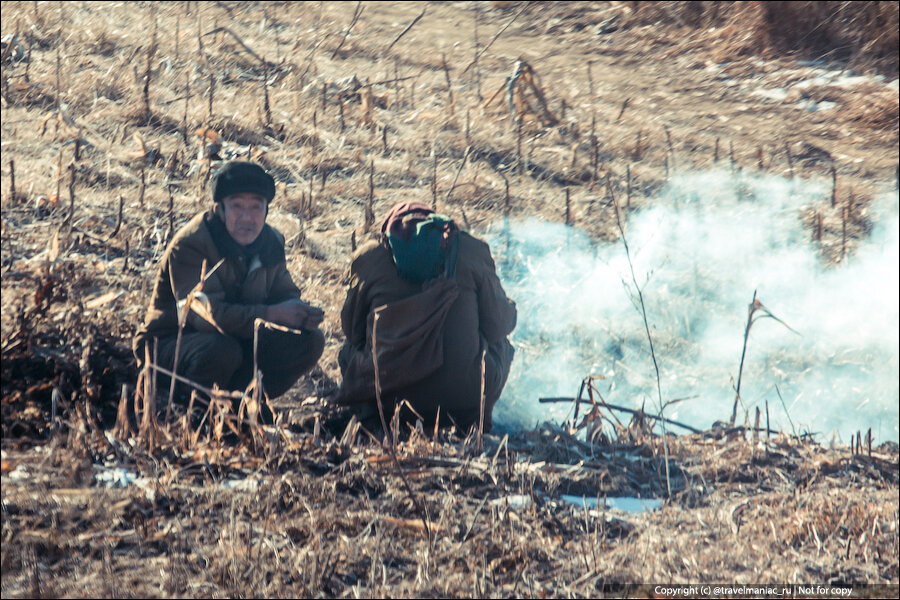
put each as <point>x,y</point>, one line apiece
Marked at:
<point>458,171</point>
<point>356,13</point>
<point>239,41</point>
<point>631,411</point>
<point>494,39</point>
<point>405,31</point>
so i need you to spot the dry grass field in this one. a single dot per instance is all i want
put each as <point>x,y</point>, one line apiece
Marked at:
<point>113,115</point>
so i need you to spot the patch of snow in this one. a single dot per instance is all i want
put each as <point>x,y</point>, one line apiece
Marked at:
<point>117,477</point>
<point>513,501</point>
<point>246,484</point>
<point>776,94</point>
<point>812,105</point>
<point>18,474</point>
<point>623,503</point>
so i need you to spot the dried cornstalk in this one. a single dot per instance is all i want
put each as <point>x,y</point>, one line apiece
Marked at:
<point>458,171</point>
<point>145,110</point>
<point>647,329</point>
<point>356,13</point>
<point>844,217</point>
<point>622,110</point>
<point>212,91</point>
<point>754,307</point>
<point>494,39</point>
<point>195,294</point>
<point>369,216</point>
<point>405,31</point>
<point>12,181</point>
<point>833,186</point>
<point>70,217</point>
<point>481,407</point>
<point>423,510</point>
<point>143,188</point>
<point>433,178</point>
<point>184,117</point>
<point>148,430</point>
<point>267,110</point>
<point>122,428</point>
<point>790,159</point>
<point>446,69</point>
<point>671,148</point>
<point>368,101</point>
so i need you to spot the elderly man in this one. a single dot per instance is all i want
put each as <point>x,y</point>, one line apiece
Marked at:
<point>428,298</point>
<point>251,282</point>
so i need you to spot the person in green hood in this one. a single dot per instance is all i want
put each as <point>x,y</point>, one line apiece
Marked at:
<point>427,298</point>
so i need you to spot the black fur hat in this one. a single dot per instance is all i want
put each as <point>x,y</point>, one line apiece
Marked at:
<point>241,177</point>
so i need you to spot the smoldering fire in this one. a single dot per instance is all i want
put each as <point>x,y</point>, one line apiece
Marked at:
<point>699,253</point>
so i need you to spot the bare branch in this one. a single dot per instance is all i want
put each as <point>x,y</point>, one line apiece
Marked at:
<point>405,31</point>
<point>356,13</point>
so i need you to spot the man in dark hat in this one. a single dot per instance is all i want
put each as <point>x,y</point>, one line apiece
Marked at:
<point>427,299</point>
<point>252,282</point>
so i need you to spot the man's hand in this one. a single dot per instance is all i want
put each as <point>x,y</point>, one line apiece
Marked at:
<point>295,313</point>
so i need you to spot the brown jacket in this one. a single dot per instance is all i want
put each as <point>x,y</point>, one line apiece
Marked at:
<point>480,316</point>
<point>238,291</point>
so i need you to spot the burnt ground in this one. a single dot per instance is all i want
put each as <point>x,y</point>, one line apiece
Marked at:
<point>314,506</point>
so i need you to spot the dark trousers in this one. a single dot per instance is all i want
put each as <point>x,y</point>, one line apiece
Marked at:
<point>497,362</point>
<point>215,358</point>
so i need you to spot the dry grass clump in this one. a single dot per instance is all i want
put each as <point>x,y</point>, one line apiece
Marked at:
<point>860,34</point>
<point>876,109</point>
<point>318,510</point>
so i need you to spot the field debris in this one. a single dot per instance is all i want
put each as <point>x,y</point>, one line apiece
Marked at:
<point>524,95</point>
<point>311,512</point>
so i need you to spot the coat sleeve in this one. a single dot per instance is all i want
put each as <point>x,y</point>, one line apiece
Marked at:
<point>496,312</point>
<point>283,286</point>
<point>355,310</point>
<point>185,266</point>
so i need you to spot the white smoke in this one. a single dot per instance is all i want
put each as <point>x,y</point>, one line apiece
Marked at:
<point>699,253</point>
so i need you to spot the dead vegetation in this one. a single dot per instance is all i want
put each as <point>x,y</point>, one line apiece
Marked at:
<point>322,514</point>
<point>112,121</point>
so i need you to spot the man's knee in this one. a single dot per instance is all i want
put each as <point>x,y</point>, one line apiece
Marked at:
<point>286,358</point>
<point>203,358</point>
<point>211,357</point>
<point>304,350</point>
<point>289,352</point>
<point>316,345</point>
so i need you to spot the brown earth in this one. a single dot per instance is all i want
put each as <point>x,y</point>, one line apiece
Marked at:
<point>314,507</point>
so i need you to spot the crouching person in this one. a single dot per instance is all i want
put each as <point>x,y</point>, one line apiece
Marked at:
<point>429,297</point>
<point>252,282</point>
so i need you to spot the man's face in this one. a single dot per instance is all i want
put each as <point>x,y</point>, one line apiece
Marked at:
<point>245,215</point>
